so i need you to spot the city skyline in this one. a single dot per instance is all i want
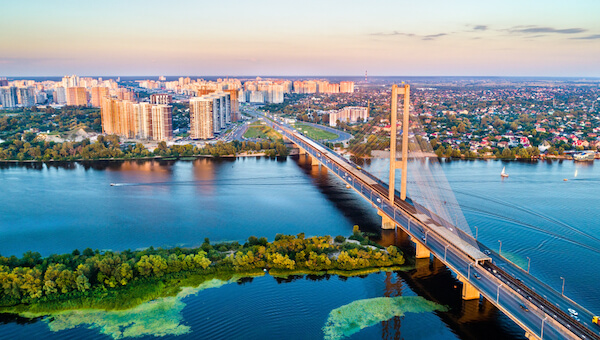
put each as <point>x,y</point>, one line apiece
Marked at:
<point>434,38</point>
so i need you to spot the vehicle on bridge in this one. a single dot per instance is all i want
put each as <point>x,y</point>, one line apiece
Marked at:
<point>596,320</point>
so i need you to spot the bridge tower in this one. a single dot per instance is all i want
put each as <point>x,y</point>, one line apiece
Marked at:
<point>388,223</point>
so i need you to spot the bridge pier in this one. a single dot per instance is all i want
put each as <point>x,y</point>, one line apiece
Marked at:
<point>468,291</point>
<point>386,222</point>
<point>421,252</point>
<point>313,161</point>
<point>301,151</point>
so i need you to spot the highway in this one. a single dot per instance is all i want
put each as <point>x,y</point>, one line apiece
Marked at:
<point>534,306</point>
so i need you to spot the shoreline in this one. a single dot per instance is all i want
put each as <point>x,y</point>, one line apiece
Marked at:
<point>157,158</point>
<point>262,154</point>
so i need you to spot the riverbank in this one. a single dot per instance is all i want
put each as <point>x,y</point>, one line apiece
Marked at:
<point>123,280</point>
<point>155,158</point>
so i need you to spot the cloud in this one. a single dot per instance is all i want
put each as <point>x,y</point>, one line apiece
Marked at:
<point>434,36</point>
<point>545,30</point>
<point>480,28</point>
<point>394,33</point>
<point>410,35</point>
<point>589,37</point>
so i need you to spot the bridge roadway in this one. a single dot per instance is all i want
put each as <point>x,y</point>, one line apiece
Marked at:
<point>537,308</point>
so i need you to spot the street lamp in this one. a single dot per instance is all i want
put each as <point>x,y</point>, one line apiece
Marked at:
<point>498,294</point>
<point>528,264</point>
<point>469,271</point>
<point>445,250</point>
<point>563,286</point>
<point>500,249</point>
<point>542,332</point>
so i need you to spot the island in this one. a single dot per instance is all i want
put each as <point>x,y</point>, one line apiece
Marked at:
<point>121,280</point>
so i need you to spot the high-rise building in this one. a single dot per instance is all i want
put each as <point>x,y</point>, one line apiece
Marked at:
<point>275,93</point>
<point>136,120</point>
<point>108,115</point>
<point>60,95</point>
<point>234,104</point>
<point>164,99</point>
<point>201,118</point>
<point>8,97</point>
<point>97,93</point>
<point>346,87</point>
<point>350,114</point>
<point>26,96</point>
<point>70,81</point>
<point>144,120</point>
<point>210,114</point>
<point>162,122</point>
<point>76,96</point>
<point>125,94</point>
<point>3,82</point>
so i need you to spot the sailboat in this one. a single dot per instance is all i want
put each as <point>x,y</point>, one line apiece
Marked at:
<point>574,176</point>
<point>503,173</point>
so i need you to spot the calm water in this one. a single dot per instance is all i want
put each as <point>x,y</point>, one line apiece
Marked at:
<point>56,209</point>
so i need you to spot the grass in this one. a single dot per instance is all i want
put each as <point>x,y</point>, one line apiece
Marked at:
<point>315,133</point>
<point>261,131</point>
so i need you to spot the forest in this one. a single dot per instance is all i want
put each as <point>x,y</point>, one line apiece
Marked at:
<point>118,280</point>
<point>109,147</point>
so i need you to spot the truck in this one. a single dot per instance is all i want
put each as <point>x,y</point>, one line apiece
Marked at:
<point>596,320</point>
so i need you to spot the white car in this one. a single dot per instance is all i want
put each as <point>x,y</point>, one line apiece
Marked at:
<point>573,312</point>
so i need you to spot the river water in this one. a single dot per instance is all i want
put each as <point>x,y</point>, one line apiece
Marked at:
<point>535,213</point>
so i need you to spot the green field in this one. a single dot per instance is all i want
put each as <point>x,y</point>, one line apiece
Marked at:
<point>315,133</point>
<point>261,131</point>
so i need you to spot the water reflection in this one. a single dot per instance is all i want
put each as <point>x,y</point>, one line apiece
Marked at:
<point>204,171</point>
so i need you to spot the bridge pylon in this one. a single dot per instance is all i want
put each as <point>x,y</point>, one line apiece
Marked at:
<point>403,164</point>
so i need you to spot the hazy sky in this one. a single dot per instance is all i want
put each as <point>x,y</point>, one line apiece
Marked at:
<point>263,37</point>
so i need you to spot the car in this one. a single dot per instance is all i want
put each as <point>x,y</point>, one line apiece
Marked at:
<point>477,276</point>
<point>487,252</point>
<point>572,311</point>
<point>523,307</point>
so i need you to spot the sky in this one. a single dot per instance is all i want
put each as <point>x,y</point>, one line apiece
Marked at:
<point>300,38</point>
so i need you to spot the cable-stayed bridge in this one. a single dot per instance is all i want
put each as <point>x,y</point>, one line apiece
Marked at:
<point>539,310</point>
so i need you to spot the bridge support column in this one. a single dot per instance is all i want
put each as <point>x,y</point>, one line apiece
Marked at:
<point>301,151</point>
<point>313,161</point>
<point>386,222</point>
<point>421,252</point>
<point>468,291</point>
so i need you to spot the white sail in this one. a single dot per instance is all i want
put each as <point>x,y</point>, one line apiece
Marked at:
<point>502,173</point>
<point>575,176</point>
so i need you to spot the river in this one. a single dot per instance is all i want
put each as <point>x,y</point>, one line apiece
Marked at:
<point>535,213</point>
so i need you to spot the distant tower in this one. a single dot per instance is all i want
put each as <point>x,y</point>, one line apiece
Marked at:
<point>554,102</point>
<point>365,76</point>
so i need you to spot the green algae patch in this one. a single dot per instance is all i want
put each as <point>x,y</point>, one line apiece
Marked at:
<point>159,317</point>
<point>351,318</point>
